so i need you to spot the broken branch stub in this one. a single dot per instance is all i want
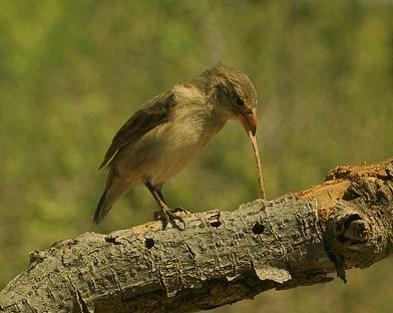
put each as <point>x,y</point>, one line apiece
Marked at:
<point>359,227</point>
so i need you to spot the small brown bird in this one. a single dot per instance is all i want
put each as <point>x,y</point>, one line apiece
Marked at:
<point>170,130</point>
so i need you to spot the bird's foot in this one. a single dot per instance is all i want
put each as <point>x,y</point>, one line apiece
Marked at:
<point>167,216</point>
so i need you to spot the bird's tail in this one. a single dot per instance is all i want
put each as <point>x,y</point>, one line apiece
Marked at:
<point>116,186</point>
<point>102,209</point>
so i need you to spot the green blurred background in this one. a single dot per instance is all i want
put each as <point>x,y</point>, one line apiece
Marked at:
<point>71,72</point>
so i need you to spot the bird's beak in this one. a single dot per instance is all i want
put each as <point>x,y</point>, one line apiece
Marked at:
<point>249,122</point>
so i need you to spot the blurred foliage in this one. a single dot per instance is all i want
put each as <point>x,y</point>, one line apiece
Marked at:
<point>71,72</point>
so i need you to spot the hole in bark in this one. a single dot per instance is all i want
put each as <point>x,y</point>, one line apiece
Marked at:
<point>258,228</point>
<point>350,219</point>
<point>149,243</point>
<point>351,193</point>
<point>215,224</point>
<point>214,219</point>
<point>353,230</point>
<point>112,240</point>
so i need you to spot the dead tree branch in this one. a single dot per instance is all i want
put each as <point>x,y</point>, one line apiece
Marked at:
<point>221,257</point>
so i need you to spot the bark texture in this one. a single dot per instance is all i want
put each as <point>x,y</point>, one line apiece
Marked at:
<point>221,257</point>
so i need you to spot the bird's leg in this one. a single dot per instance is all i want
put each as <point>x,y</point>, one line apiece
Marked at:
<point>175,210</point>
<point>166,214</point>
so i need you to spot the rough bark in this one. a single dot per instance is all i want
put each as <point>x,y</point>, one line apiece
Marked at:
<point>221,257</point>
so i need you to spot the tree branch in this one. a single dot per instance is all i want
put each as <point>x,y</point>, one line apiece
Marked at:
<point>221,257</point>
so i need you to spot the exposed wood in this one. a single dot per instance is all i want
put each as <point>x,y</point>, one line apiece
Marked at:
<point>221,257</point>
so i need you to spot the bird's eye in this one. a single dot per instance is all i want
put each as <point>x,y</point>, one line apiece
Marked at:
<point>239,102</point>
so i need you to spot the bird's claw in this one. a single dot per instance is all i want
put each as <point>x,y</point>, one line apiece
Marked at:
<point>170,216</point>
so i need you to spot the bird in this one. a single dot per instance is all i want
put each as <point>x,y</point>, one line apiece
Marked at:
<point>170,130</point>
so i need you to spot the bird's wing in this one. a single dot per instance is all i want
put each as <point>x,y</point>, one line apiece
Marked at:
<point>155,112</point>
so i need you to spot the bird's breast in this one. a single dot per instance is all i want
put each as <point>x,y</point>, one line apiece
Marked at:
<point>169,147</point>
<point>180,143</point>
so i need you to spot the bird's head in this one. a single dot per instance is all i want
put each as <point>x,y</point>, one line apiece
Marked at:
<point>235,96</point>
